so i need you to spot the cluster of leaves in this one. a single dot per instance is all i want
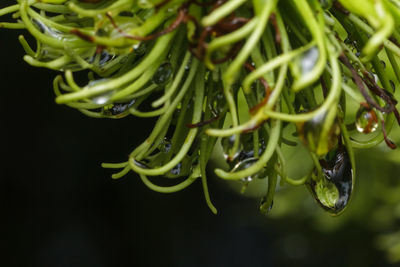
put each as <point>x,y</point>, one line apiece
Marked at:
<point>256,77</point>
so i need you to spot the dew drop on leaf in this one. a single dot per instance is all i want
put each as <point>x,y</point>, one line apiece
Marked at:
<point>265,205</point>
<point>117,108</point>
<point>333,188</point>
<point>105,57</point>
<point>246,163</point>
<point>177,169</point>
<point>140,49</point>
<point>366,120</point>
<point>140,164</point>
<point>163,73</point>
<point>227,145</point>
<point>218,102</point>
<point>102,99</point>
<point>309,59</point>
<point>310,134</point>
<point>165,145</point>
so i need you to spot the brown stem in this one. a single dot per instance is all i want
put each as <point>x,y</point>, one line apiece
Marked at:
<point>388,142</point>
<point>267,89</point>
<point>202,123</point>
<point>175,24</point>
<point>360,84</point>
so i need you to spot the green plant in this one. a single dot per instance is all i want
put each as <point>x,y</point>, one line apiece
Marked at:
<point>261,76</point>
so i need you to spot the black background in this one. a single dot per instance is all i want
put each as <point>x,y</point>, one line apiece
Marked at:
<point>60,208</point>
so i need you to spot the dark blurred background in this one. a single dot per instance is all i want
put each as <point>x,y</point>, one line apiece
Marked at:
<point>60,208</point>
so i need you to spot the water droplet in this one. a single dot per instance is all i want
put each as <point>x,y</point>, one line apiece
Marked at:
<point>45,29</point>
<point>117,108</point>
<point>247,143</point>
<point>366,120</point>
<point>165,145</point>
<point>247,179</point>
<point>105,57</point>
<point>326,4</point>
<point>309,59</point>
<point>333,189</point>
<point>40,25</point>
<point>376,78</point>
<point>310,134</point>
<point>163,73</point>
<point>182,169</point>
<point>140,49</point>
<point>245,183</point>
<point>140,164</point>
<point>187,66</point>
<point>177,169</point>
<point>95,82</point>
<point>218,102</point>
<point>265,206</point>
<point>353,45</point>
<point>102,99</point>
<point>372,76</point>
<point>244,164</point>
<point>227,145</point>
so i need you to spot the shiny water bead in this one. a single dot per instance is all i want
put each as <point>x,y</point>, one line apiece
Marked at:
<point>265,205</point>
<point>376,78</point>
<point>353,45</point>
<point>216,101</point>
<point>227,146</point>
<point>43,28</point>
<point>366,120</point>
<point>117,108</point>
<point>334,187</point>
<point>165,145</point>
<point>102,99</point>
<point>181,169</point>
<point>105,57</point>
<point>310,134</point>
<point>177,169</point>
<point>247,179</point>
<point>140,49</point>
<point>246,163</point>
<point>247,144</point>
<point>140,164</point>
<point>309,59</point>
<point>245,183</point>
<point>163,73</point>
